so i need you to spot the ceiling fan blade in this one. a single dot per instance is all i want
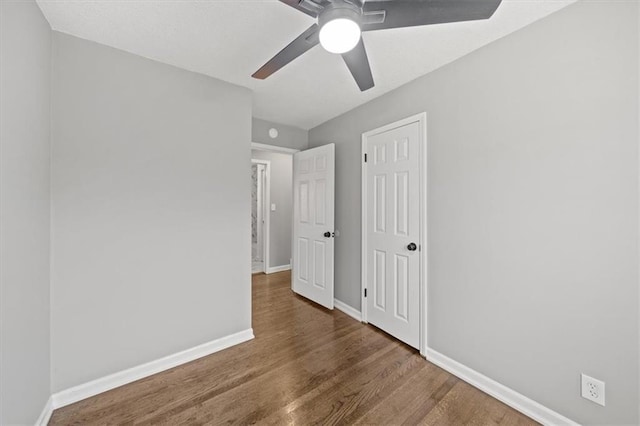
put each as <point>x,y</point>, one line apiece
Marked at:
<point>358,63</point>
<point>297,47</point>
<point>310,9</point>
<point>411,13</point>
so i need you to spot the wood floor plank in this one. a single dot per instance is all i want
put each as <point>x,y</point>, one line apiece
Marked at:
<point>404,405</point>
<point>278,385</point>
<point>307,365</point>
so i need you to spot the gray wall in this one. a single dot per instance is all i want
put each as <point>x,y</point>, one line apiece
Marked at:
<point>288,136</point>
<point>533,206</point>
<point>282,196</point>
<point>25,69</point>
<point>151,244</point>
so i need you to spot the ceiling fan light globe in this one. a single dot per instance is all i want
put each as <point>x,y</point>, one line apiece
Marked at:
<point>339,35</point>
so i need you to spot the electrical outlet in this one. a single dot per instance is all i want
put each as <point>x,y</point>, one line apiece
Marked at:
<point>593,389</point>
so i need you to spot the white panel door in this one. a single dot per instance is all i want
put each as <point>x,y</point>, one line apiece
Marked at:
<point>393,231</point>
<point>313,224</point>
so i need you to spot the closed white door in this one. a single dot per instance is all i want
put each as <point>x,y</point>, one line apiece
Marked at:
<point>392,221</point>
<point>313,224</point>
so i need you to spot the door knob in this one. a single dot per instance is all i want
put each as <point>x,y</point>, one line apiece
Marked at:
<point>412,247</point>
<point>327,234</point>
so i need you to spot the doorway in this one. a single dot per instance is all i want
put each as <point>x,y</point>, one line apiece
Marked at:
<point>260,194</point>
<point>271,201</point>
<point>394,230</point>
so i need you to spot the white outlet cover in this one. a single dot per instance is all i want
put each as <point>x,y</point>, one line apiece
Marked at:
<point>592,389</point>
<point>273,207</point>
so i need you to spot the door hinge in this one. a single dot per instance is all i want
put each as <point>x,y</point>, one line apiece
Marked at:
<point>365,158</point>
<point>365,292</point>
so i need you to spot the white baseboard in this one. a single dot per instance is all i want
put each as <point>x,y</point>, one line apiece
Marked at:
<point>103,384</point>
<point>47,411</point>
<point>352,312</point>
<point>274,269</point>
<point>526,406</point>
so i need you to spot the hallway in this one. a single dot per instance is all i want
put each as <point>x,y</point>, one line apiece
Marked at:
<point>306,365</point>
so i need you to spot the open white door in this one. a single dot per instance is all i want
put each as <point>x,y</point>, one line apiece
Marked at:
<point>313,224</point>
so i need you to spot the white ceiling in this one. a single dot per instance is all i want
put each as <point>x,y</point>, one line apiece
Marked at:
<point>230,39</point>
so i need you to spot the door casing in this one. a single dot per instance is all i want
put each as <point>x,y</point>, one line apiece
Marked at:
<point>266,202</point>
<point>423,280</point>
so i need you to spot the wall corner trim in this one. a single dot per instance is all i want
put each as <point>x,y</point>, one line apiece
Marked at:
<point>46,413</point>
<point>515,400</point>
<point>103,384</point>
<point>274,269</point>
<point>352,312</point>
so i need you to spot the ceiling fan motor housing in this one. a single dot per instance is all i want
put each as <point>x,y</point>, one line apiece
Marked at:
<point>340,10</point>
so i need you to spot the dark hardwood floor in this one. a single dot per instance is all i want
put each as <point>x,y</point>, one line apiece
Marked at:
<point>307,365</point>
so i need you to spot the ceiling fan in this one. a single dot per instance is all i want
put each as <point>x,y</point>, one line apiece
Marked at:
<point>340,23</point>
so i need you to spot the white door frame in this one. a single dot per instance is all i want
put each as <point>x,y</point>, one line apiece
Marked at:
<point>273,148</point>
<point>266,196</point>
<point>422,120</point>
